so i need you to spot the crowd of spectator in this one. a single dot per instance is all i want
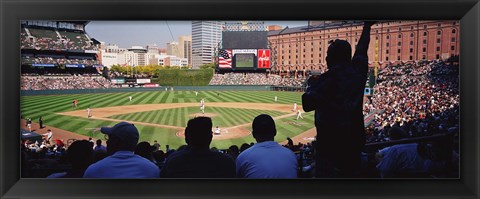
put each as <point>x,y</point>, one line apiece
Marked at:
<point>423,100</point>
<point>52,39</point>
<point>64,81</point>
<point>28,60</point>
<point>257,79</point>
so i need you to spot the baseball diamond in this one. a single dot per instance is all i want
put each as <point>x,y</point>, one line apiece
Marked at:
<point>162,115</point>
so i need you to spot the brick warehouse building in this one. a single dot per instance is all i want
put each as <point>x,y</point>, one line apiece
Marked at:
<point>305,48</point>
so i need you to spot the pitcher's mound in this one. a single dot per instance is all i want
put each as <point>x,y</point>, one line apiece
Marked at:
<point>225,134</point>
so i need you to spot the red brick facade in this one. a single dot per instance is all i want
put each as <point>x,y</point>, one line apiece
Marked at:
<point>390,42</point>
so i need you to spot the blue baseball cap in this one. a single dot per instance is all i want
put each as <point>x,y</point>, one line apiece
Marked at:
<point>125,131</point>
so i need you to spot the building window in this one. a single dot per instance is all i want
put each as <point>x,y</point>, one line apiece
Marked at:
<point>423,57</point>
<point>388,36</point>
<point>398,58</point>
<point>399,29</point>
<point>452,47</point>
<point>400,36</point>
<point>453,31</point>
<point>411,27</point>
<point>438,48</point>
<point>411,50</point>
<point>425,26</point>
<point>388,44</point>
<point>439,32</point>
<point>437,56</point>
<point>320,49</point>
<point>453,39</point>
<point>411,43</point>
<point>424,49</point>
<point>388,30</point>
<point>399,43</point>
<point>386,58</point>
<point>424,33</point>
<point>438,41</point>
<point>411,57</point>
<point>387,52</point>
<point>398,51</point>
<point>424,41</point>
<point>376,38</point>
<point>411,34</point>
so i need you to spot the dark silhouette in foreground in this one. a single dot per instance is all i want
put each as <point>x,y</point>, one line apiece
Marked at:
<point>337,98</point>
<point>196,160</point>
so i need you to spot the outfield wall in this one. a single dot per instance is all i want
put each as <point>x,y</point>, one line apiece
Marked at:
<point>119,90</point>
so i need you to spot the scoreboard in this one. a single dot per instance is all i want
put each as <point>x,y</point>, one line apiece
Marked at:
<point>244,50</point>
<point>243,59</point>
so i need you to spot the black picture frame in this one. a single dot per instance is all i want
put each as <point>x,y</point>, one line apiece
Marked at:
<point>12,11</point>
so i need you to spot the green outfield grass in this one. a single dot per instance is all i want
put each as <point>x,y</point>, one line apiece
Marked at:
<point>224,117</point>
<point>48,106</point>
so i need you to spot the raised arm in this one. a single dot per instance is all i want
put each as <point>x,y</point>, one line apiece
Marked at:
<point>362,46</point>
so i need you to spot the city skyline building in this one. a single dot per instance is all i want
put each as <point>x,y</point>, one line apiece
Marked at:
<point>206,36</point>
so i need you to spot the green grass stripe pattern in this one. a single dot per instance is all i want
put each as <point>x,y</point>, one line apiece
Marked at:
<point>48,105</point>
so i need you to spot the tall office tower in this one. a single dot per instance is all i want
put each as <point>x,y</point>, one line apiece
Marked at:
<point>205,38</point>
<point>185,48</point>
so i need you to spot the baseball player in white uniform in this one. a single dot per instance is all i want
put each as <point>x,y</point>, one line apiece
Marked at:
<point>48,136</point>
<point>202,106</point>
<point>89,112</point>
<point>275,98</point>
<point>299,114</point>
<point>294,107</point>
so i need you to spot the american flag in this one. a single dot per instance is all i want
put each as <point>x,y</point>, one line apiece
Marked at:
<point>225,59</point>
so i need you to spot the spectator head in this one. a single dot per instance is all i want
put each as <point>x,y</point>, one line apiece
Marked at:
<point>145,150</point>
<point>396,133</point>
<point>121,137</point>
<point>99,142</point>
<point>263,128</point>
<point>159,156</point>
<point>80,154</point>
<point>244,147</point>
<point>198,133</point>
<point>339,51</point>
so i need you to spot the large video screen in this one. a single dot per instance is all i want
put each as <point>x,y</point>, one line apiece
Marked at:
<point>244,60</point>
<point>244,40</point>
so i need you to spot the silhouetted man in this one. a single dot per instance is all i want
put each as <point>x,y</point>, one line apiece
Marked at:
<point>266,158</point>
<point>80,156</point>
<point>337,98</point>
<point>197,160</point>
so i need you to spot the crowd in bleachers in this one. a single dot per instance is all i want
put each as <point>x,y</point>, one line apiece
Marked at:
<point>64,81</point>
<point>256,79</point>
<point>28,60</point>
<point>422,101</point>
<point>52,39</point>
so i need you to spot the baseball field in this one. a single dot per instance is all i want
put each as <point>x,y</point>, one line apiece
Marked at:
<point>162,115</point>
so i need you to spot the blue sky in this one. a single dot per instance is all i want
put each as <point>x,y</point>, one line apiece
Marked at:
<point>141,33</point>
